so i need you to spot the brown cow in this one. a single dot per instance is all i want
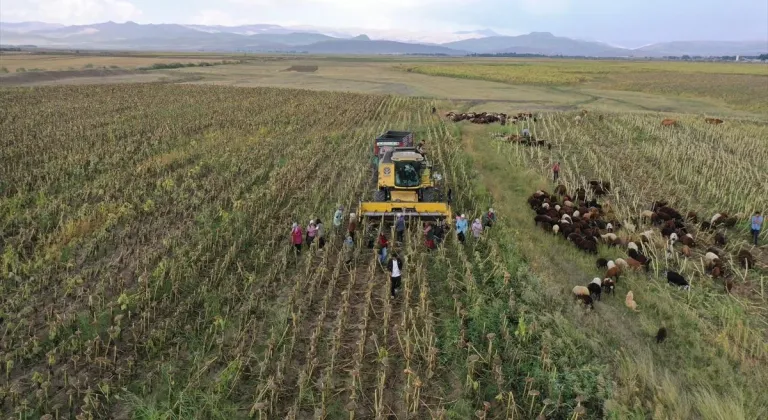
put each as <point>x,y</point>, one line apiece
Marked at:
<point>713,121</point>
<point>668,122</point>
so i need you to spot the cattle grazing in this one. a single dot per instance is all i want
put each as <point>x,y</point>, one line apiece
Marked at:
<point>693,217</point>
<point>714,121</point>
<point>583,294</point>
<point>595,288</point>
<point>686,251</point>
<point>667,122</point>
<point>560,190</point>
<point>677,279</point>
<point>635,264</point>
<point>630,301</point>
<point>661,335</point>
<point>710,258</point>
<point>688,240</point>
<point>720,239</point>
<point>613,273</point>
<point>609,286</point>
<point>602,263</point>
<point>745,259</point>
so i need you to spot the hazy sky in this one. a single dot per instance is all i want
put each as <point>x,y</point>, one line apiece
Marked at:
<point>617,21</point>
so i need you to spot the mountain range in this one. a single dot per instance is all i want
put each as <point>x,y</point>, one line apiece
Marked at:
<point>276,38</point>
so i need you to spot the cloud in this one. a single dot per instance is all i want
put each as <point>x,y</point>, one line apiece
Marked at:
<point>545,7</point>
<point>71,12</point>
<point>217,17</point>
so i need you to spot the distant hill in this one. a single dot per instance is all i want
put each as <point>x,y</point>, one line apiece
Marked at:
<point>705,48</point>
<point>276,38</point>
<point>538,43</point>
<point>361,46</point>
<point>22,27</point>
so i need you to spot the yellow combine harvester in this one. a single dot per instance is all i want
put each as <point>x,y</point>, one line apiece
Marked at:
<point>407,185</point>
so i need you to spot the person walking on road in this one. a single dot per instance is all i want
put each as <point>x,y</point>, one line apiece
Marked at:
<point>757,224</point>
<point>395,267</point>
<point>556,171</point>
<point>296,237</point>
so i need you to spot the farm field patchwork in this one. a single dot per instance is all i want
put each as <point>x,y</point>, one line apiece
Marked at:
<point>743,86</point>
<point>147,273</point>
<point>726,90</point>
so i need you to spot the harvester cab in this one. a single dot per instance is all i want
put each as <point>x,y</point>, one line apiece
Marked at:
<point>387,142</point>
<point>405,183</point>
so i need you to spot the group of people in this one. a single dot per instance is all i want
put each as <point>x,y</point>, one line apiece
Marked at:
<point>434,234</point>
<point>462,225</point>
<point>315,230</point>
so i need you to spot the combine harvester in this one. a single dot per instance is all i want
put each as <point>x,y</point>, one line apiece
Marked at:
<point>405,182</point>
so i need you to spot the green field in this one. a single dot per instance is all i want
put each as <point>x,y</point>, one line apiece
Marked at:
<point>146,270</point>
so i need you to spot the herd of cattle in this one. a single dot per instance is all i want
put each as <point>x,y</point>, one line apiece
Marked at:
<point>523,140</point>
<point>587,223</point>
<point>668,122</point>
<point>503,119</point>
<point>489,117</point>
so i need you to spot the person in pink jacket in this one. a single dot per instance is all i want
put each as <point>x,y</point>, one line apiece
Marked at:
<point>296,237</point>
<point>311,233</point>
<point>477,228</point>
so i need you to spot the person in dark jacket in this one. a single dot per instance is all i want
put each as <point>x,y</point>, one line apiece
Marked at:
<point>489,218</point>
<point>400,227</point>
<point>395,267</point>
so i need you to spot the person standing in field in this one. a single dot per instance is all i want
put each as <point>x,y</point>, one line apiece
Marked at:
<point>757,224</point>
<point>352,225</point>
<point>296,237</point>
<point>461,228</point>
<point>489,218</point>
<point>429,236</point>
<point>320,234</point>
<point>349,250</point>
<point>311,233</point>
<point>338,217</point>
<point>395,267</point>
<point>400,227</point>
<point>556,171</point>
<point>383,244</point>
<point>477,228</point>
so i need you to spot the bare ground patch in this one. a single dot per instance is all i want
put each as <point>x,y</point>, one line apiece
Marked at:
<point>302,69</point>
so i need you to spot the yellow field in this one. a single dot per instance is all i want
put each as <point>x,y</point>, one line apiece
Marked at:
<point>742,85</point>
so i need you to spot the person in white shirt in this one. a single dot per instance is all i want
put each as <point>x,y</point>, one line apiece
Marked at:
<point>395,266</point>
